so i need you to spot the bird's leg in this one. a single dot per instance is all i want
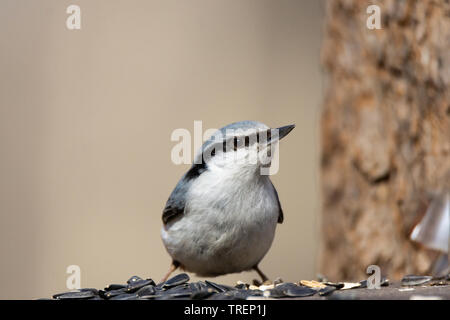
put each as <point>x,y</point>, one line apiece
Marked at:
<point>173,266</point>
<point>261,274</point>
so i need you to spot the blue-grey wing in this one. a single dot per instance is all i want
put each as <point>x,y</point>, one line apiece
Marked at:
<point>280,211</point>
<point>171,212</point>
<point>176,203</point>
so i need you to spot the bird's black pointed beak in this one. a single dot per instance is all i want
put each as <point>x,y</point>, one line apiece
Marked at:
<point>276,134</point>
<point>283,131</point>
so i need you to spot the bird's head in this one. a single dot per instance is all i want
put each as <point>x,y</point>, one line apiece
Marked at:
<point>244,146</point>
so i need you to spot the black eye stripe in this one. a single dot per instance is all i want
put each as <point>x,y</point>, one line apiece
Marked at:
<point>237,143</point>
<point>266,137</point>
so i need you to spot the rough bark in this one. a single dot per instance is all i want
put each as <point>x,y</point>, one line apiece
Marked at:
<point>385,133</point>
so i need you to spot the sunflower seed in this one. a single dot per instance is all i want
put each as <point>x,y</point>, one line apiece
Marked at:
<point>275,293</point>
<point>350,285</point>
<point>115,287</point>
<point>266,287</point>
<point>134,279</point>
<point>181,289</point>
<point>300,291</point>
<point>198,286</point>
<point>146,291</point>
<point>214,286</point>
<point>327,290</point>
<point>241,286</point>
<point>289,289</point>
<point>413,280</point>
<point>285,286</point>
<point>136,285</point>
<point>337,285</point>
<point>177,280</point>
<point>113,293</point>
<point>312,284</point>
<point>77,294</point>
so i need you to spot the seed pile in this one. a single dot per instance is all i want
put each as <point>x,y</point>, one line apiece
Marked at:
<point>178,287</point>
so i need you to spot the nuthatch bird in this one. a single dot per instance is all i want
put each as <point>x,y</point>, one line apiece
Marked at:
<point>221,216</point>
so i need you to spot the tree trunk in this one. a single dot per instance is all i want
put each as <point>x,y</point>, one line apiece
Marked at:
<point>385,132</point>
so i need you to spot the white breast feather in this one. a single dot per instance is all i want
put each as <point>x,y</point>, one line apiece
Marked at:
<point>228,224</point>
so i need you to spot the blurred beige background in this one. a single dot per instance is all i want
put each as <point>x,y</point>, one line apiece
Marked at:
<point>86,118</point>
